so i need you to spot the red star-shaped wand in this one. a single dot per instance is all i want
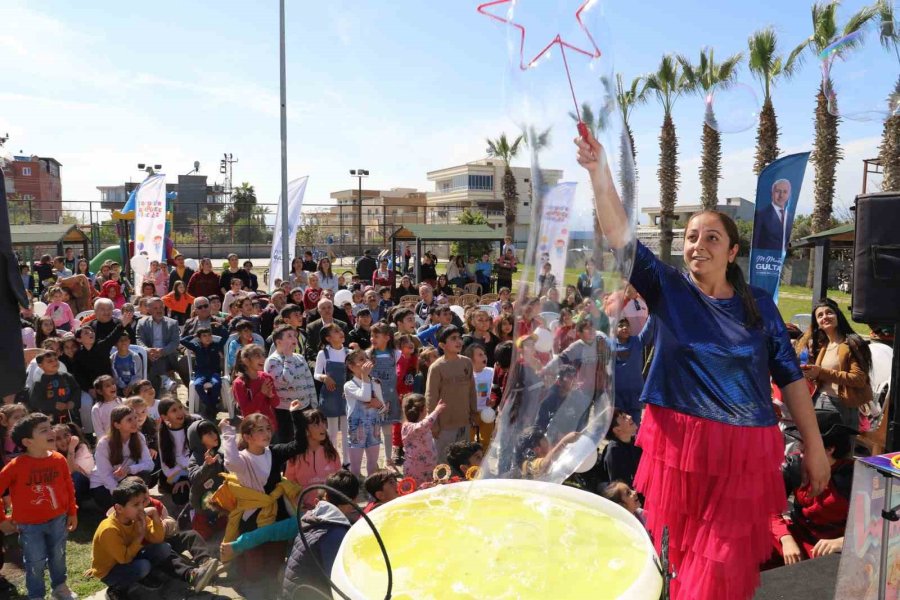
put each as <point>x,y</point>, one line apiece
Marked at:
<point>592,52</point>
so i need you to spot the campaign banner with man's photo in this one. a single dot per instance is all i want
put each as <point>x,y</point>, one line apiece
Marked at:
<point>777,190</point>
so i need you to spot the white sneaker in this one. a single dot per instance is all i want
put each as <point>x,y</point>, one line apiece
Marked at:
<point>62,592</point>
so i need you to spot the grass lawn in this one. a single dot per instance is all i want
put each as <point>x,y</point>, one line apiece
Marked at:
<point>78,558</point>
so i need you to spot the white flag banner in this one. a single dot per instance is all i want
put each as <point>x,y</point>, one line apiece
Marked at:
<point>150,218</point>
<point>553,237</point>
<point>296,191</point>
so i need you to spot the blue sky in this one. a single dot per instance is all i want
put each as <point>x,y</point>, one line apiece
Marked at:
<point>398,87</point>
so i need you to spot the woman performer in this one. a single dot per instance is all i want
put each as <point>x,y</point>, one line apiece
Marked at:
<point>711,447</point>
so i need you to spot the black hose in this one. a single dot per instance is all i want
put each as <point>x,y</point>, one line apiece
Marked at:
<point>333,493</point>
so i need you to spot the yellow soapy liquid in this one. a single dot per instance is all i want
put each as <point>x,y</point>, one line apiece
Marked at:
<point>470,543</point>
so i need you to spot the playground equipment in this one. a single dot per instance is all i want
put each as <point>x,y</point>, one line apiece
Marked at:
<point>125,227</point>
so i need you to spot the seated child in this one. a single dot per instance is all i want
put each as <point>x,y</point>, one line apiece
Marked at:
<point>534,456</point>
<point>55,394</point>
<point>43,504</point>
<point>814,525</point>
<point>462,456</point>
<point>129,543</point>
<point>60,311</point>
<point>207,370</point>
<point>70,443</point>
<point>324,528</point>
<point>206,464</point>
<point>381,487</point>
<point>200,568</point>
<point>622,494</point>
<point>127,365</point>
<point>620,457</point>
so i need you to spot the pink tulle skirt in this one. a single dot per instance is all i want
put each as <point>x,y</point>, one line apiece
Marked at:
<point>716,487</point>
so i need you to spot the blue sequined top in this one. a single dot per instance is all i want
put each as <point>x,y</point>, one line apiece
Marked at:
<point>706,362</point>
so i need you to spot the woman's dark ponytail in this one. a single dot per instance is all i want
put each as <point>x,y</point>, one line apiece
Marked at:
<point>735,276</point>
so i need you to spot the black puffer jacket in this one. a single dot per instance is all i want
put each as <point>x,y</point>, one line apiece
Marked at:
<point>324,528</point>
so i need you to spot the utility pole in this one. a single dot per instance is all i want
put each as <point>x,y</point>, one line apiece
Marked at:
<point>359,174</point>
<point>226,169</point>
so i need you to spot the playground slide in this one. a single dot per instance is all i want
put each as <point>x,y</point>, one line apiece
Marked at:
<point>111,253</point>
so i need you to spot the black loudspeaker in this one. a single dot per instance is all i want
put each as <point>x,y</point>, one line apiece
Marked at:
<point>876,259</point>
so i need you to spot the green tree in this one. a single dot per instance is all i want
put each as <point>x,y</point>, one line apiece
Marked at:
<point>504,150</point>
<point>707,77</point>
<point>889,152</point>
<point>470,216</point>
<point>667,83</point>
<point>826,148</point>
<point>309,233</point>
<point>745,235</point>
<point>768,67</point>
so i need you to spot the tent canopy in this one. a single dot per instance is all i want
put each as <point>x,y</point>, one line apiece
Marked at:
<point>45,235</point>
<point>442,233</point>
<point>448,233</point>
<point>841,236</point>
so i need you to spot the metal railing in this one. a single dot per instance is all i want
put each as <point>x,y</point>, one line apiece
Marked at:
<point>214,230</point>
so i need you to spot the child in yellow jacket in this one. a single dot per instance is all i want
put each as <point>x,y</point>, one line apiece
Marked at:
<point>129,543</point>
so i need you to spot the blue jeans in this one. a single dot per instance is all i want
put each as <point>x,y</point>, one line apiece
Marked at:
<point>44,545</point>
<point>82,486</point>
<point>209,397</point>
<point>123,576</point>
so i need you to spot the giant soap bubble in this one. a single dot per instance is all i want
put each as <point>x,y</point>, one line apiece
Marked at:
<point>860,76</point>
<point>560,84</point>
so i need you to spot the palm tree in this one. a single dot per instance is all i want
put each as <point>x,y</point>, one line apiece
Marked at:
<point>667,83</point>
<point>627,99</point>
<point>706,77</point>
<point>767,66</point>
<point>502,149</point>
<point>889,153</point>
<point>826,151</point>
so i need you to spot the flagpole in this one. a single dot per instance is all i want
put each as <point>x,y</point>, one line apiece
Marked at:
<point>285,228</point>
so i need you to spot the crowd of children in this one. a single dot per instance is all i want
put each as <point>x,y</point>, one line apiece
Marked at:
<point>320,389</point>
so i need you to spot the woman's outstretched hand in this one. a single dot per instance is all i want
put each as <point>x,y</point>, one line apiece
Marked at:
<point>589,152</point>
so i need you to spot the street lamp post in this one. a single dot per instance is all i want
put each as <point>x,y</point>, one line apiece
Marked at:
<point>359,174</point>
<point>285,227</point>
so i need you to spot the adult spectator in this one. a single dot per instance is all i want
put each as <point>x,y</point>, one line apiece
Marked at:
<point>480,332</point>
<point>366,266</point>
<point>267,317</point>
<point>180,273</point>
<point>254,280</point>
<point>428,270</point>
<point>205,282</point>
<point>406,288</point>
<point>327,279</point>
<point>314,329</point>
<point>160,336</point>
<point>308,263</point>
<point>505,267</point>
<point>203,319</point>
<point>233,270</point>
<point>427,302</point>
<point>298,277</point>
<point>69,260</point>
<point>383,275</point>
<point>107,329</point>
<point>590,281</point>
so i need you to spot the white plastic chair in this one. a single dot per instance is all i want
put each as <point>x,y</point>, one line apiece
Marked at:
<point>227,397</point>
<point>193,396</point>
<point>140,351</point>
